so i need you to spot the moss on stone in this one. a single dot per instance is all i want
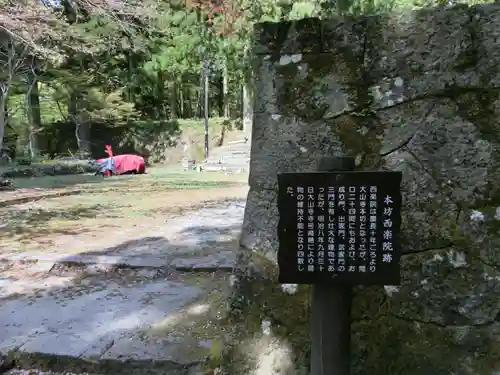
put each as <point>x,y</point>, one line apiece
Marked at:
<point>64,364</point>
<point>390,337</point>
<point>359,129</point>
<point>385,337</point>
<point>469,57</point>
<point>306,98</point>
<point>441,321</point>
<point>265,300</point>
<point>478,107</point>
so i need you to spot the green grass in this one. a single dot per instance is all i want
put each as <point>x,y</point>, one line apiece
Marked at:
<point>55,182</point>
<point>157,178</point>
<point>214,123</point>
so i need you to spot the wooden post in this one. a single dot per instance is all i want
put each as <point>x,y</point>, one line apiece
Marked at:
<point>331,309</point>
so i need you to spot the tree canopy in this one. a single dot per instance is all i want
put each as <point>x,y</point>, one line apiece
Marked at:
<point>91,61</point>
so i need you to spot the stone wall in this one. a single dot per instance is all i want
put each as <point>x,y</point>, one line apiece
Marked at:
<point>417,93</point>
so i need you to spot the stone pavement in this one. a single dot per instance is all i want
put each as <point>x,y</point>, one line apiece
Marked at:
<point>140,303</point>
<point>231,158</point>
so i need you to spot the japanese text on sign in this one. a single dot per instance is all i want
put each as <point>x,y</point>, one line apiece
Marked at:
<point>342,228</point>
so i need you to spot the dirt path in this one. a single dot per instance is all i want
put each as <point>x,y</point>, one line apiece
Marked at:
<point>99,216</point>
<point>20,196</point>
<point>116,280</point>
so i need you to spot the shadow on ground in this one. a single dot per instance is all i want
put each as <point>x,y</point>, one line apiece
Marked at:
<point>213,230</point>
<point>57,182</point>
<point>141,247</point>
<point>151,186</point>
<point>31,221</point>
<point>180,185</point>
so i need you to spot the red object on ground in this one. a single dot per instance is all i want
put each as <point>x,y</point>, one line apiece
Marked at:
<point>127,163</point>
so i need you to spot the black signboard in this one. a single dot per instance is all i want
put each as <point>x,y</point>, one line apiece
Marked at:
<point>339,227</point>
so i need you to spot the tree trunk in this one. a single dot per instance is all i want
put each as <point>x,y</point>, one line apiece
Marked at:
<point>247,103</point>
<point>247,109</point>
<point>199,104</point>
<point>3,119</point>
<point>130,69</point>
<point>160,92</point>
<point>188,97</point>
<point>34,117</point>
<point>181,101</point>
<point>82,125</point>
<point>225,91</point>
<point>173,101</point>
<point>83,130</point>
<point>220,95</point>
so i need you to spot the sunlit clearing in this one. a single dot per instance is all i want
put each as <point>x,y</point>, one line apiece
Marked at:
<point>12,286</point>
<point>128,322</point>
<point>273,357</point>
<point>198,309</point>
<point>178,318</point>
<point>168,322</point>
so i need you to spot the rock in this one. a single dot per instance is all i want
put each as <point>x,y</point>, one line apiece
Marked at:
<point>233,157</point>
<point>223,260</point>
<point>6,184</point>
<point>63,323</point>
<point>6,364</point>
<point>418,93</point>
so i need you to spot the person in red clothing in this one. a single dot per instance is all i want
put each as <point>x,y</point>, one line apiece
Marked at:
<point>108,150</point>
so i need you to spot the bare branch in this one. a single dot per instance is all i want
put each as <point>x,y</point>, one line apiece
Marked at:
<point>48,35</point>
<point>65,118</point>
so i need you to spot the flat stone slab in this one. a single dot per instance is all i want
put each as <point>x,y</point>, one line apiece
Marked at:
<point>98,318</point>
<point>89,259</point>
<point>90,323</point>
<point>223,260</point>
<point>191,371</point>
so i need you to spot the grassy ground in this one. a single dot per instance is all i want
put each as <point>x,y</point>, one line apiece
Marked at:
<point>193,133</point>
<point>97,207</point>
<point>164,177</point>
<point>189,142</point>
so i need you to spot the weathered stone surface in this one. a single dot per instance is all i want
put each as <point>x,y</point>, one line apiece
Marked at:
<point>416,92</point>
<point>231,158</point>
<point>222,260</point>
<point>90,323</point>
<point>89,320</point>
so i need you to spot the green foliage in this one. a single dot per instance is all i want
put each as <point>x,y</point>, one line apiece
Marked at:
<point>143,63</point>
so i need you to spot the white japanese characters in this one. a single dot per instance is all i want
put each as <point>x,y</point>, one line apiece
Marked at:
<point>372,230</point>
<point>342,229</point>
<point>387,244</point>
<point>311,229</point>
<point>331,229</point>
<point>352,221</point>
<point>320,228</point>
<point>363,229</point>
<point>300,228</point>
